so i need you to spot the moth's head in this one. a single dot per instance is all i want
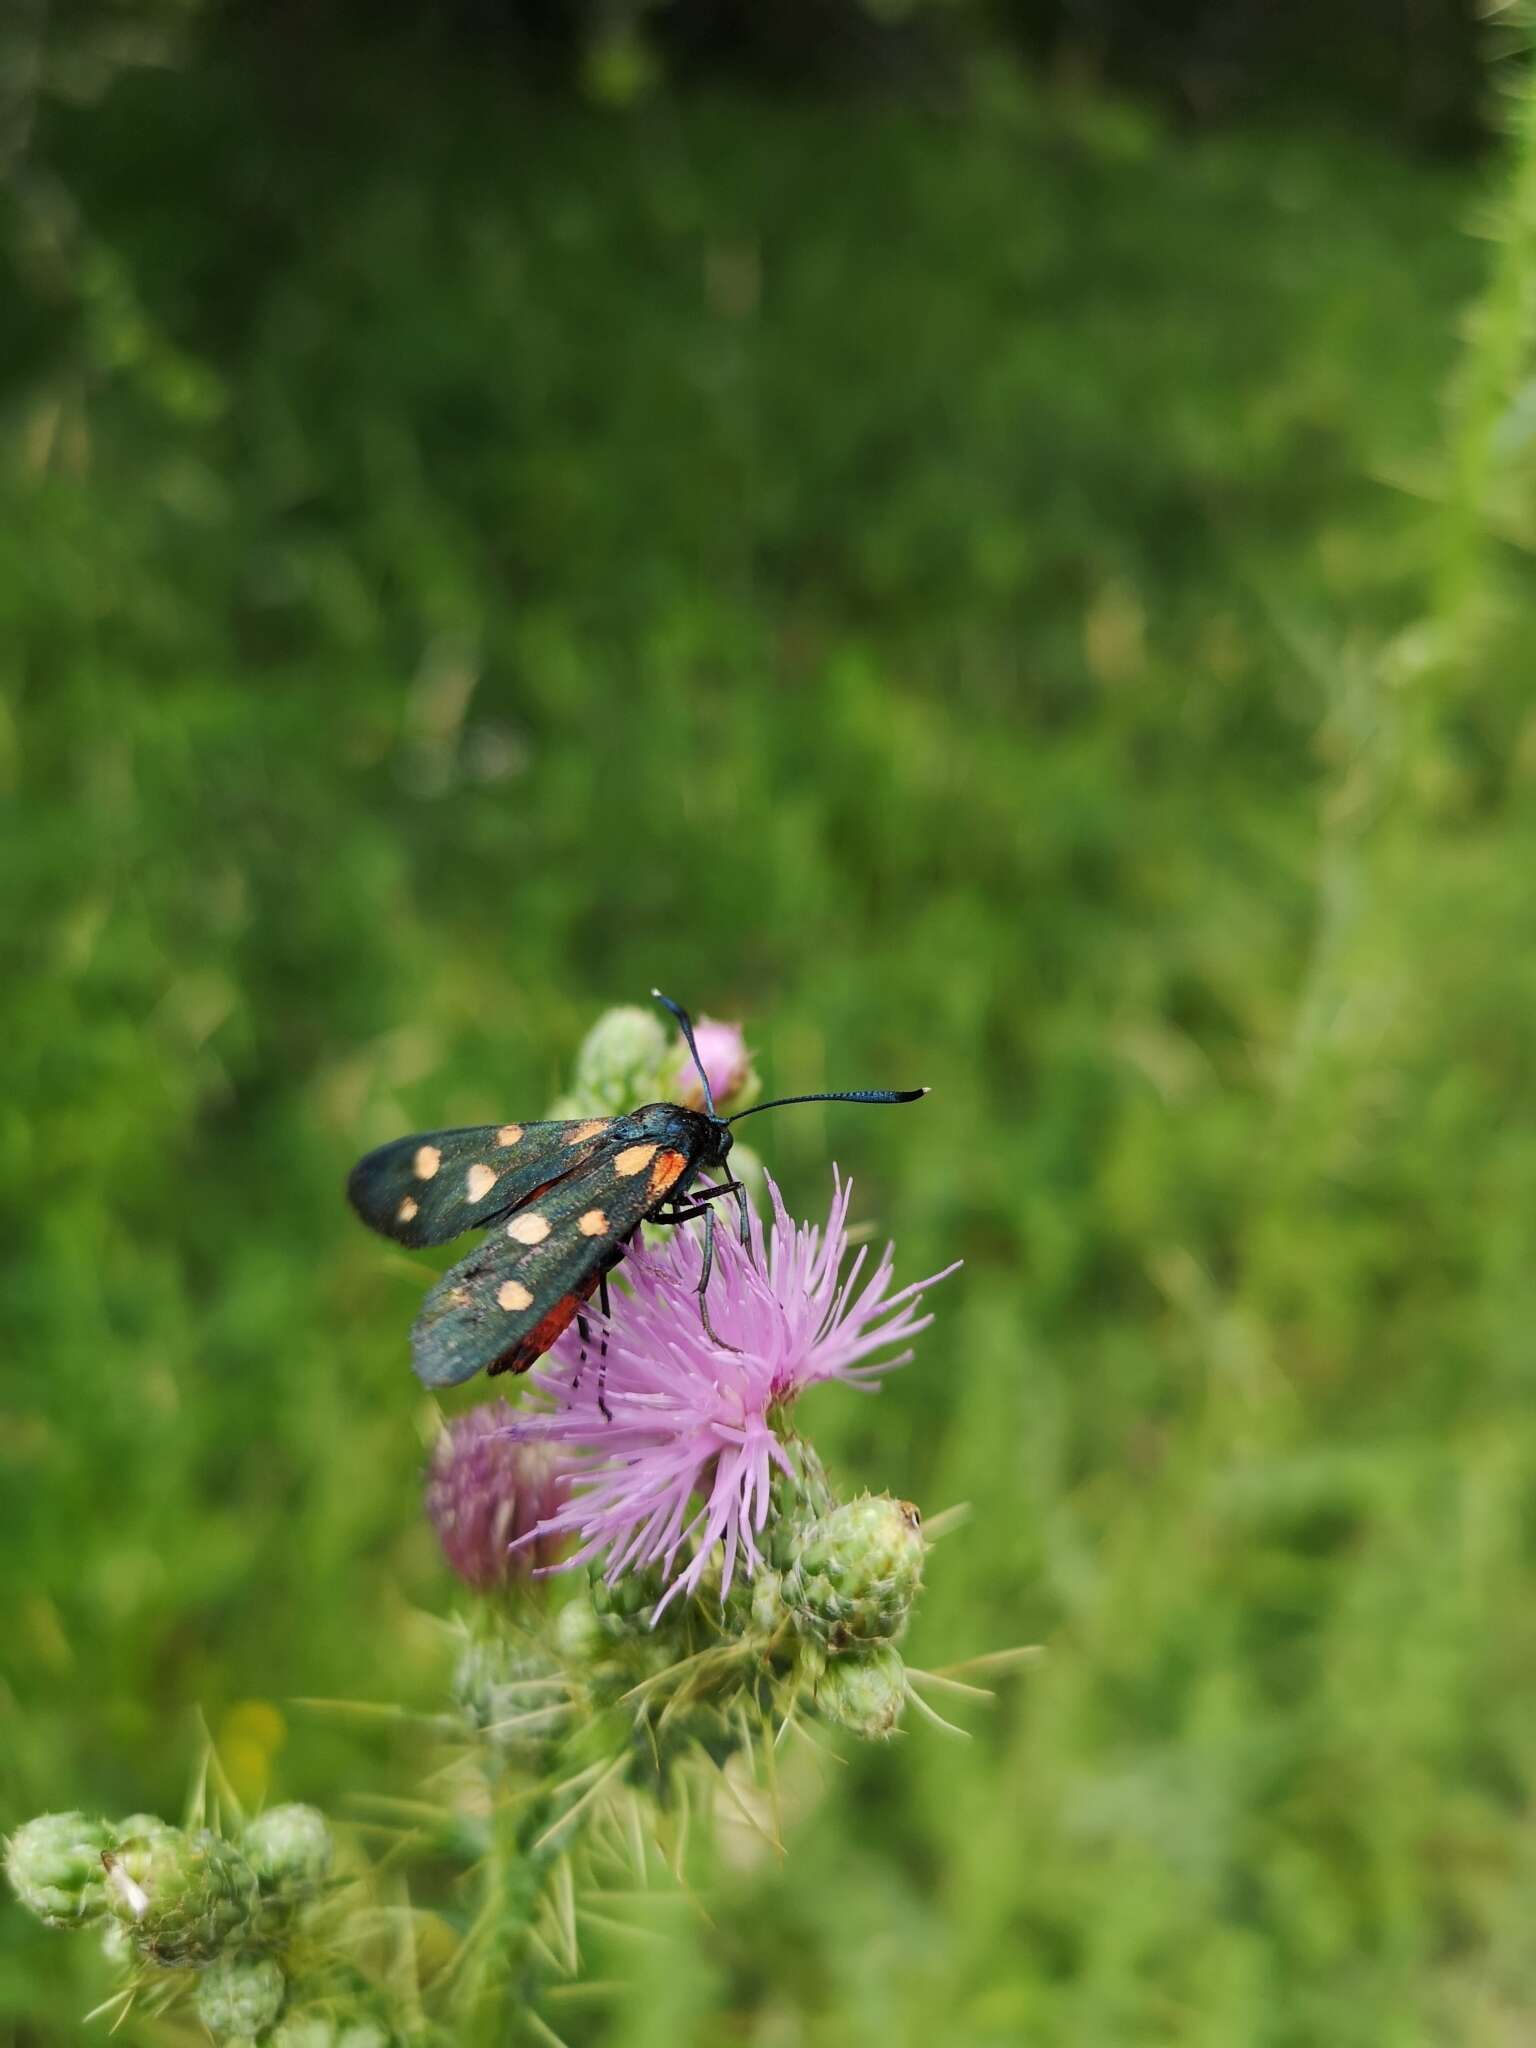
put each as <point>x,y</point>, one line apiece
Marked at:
<point>721,1140</point>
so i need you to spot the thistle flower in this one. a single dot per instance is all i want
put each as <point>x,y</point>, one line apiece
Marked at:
<point>182,1896</point>
<point>857,1572</point>
<point>54,1865</point>
<point>485,1491</point>
<point>689,1416</point>
<point>240,1996</point>
<point>289,1847</point>
<point>142,1825</point>
<point>619,1064</point>
<point>723,1052</point>
<point>509,1691</point>
<point>865,1692</point>
<point>316,2030</point>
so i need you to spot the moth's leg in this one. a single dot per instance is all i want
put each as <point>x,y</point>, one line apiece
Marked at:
<point>704,1272</point>
<point>602,1357</point>
<point>584,1331</point>
<point>606,1305</point>
<point>698,1205</point>
<point>742,1212</point>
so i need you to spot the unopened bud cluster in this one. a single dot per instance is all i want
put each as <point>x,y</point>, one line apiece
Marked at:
<point>847,1593</point>
<point>817,1625</point>
<point>172,1899</point>
<point>629,1057</point>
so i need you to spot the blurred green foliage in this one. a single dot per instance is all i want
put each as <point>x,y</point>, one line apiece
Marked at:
<point>1411,69</point>
<point>974,597</point>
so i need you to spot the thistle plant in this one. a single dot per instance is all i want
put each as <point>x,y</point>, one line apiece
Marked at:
<point>208,1915</point>
<point>660,1582</point>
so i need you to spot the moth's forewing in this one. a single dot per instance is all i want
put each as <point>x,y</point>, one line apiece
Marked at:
<point>438,1184</point>
<point>503,1306</point>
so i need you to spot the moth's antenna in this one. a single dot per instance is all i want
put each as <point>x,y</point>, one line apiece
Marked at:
<point>843,1095</point>
<point>686,1022</point>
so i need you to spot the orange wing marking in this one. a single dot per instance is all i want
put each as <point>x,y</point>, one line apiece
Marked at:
<point>550,1326</point>
<point>669,1165</point>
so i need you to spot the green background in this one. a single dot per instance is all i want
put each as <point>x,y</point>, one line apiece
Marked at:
<point>992,594</point>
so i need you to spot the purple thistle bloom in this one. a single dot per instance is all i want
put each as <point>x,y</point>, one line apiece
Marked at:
<point>486,1492</point>
<point>692,1418</point>
<point>723,1051</point>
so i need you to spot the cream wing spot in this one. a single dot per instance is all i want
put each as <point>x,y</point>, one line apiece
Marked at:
<point>633,1159</point>
<point>593,1224</point>
<point>530,1228</point>
<point>428,1159</point>
<point>508,1135</point>
<point>590,1129</point>
<point>479,1181</point>
<point>513,1295</point>
<point>407,1211</point>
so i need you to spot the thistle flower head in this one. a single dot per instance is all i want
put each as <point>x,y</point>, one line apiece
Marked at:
<point>289,1846</point>
<point>486,1489</point>
<point>240,1996</point>
<point>857,1572</point>
<point>619,1063</point>
<point>670,1414</point>
<point>317,2030</point>
<point>182,1896</point>
<point>864,1692</point>
<point>55,1868</point>
<point>509,1691</point>
<point>723,1053</point>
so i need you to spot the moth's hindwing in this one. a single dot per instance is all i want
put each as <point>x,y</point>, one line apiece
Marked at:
<point>435,1186</point>
<point>503,1306</point>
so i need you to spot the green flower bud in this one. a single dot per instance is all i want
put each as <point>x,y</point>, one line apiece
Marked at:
<point>289,1846</point>
<point>768,1608</point>
<point>864,1691</point>
<point>624,1609</point>
<point>142,1824</point>
<point>579,1637</point>
<point>304,2030</point>
<point>183,1897</point>
<point>55,1868</point>
<point>620,1062</point>
<point>240,1996</point>
<point>797,1500</point>
<point>505,1691</point>
<point>857,1572</point>
<point>811,1662</point>
<point>312,2030</point>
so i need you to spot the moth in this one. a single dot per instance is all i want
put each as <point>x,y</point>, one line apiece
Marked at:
<point>559,1202</point>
